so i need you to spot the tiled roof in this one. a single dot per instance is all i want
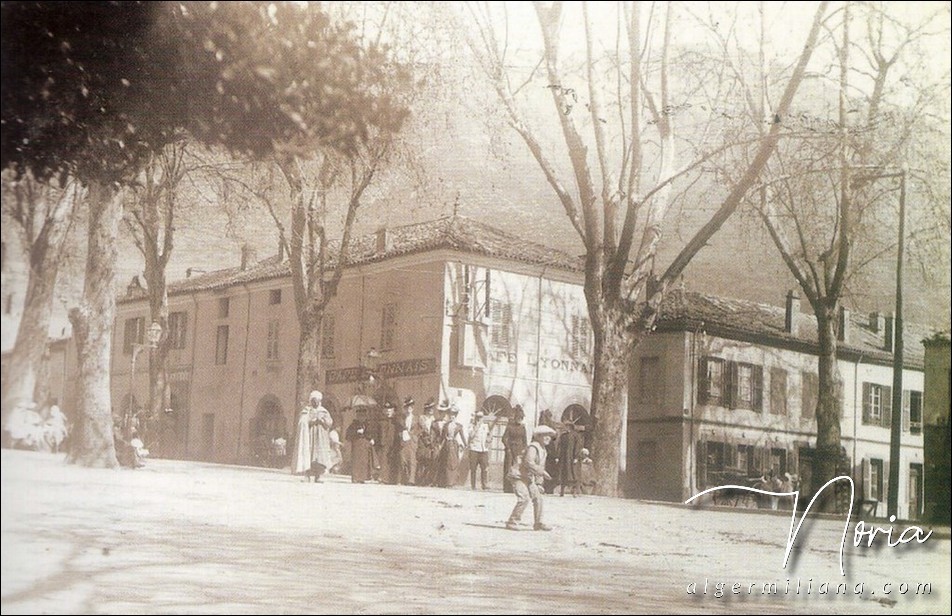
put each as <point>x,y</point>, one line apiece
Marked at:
<point>452,232</point>
<point>722,316</point>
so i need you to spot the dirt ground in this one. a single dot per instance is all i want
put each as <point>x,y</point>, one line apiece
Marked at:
<point>186,537</point>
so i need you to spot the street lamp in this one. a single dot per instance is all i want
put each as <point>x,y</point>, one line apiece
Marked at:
<point>895,433</point>
<point>153,335</point>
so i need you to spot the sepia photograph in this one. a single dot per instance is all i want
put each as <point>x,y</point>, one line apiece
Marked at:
<point>476,307</point>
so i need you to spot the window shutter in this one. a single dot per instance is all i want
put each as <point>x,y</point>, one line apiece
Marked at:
<point>887,407</point>
<point>905,410</point>
<point>704,384</point>
<point>730,384</point>
<point>757,388</point>
<point>867,477</point>
<point>702,464</point>
<point>885,495</point>
<point>867,393</point>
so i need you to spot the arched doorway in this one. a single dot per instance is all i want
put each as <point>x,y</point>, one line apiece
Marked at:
<point>498,406</point>
<point>576,414</point>
<point>269,433</point>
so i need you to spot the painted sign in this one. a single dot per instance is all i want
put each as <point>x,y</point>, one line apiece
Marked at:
<point>390,370</point>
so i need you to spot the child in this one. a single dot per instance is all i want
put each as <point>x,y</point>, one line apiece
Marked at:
<point>587,473</point>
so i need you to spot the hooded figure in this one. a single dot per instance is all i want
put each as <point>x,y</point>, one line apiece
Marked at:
<point>301,456</point>
<point>322,454</point>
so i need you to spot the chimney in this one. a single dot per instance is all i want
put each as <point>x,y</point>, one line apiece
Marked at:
<point>248,256</point>
<point>890,330</point>
<point>792,312</point>
<point>843,329</point>
<point>875,322</point>
<point>383,240</point>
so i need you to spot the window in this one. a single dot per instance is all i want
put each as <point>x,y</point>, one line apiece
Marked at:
<point>877,405</point>
<point>274,328</point>
<point>650,381</point>
<point>581,337</point>
<point>221,345</point>
<point>223,307</point>
<point>778,391</point>
<point>912,411</point>
<point>134,334</point>
<point>711,386</point>
<point>500,323</point>
<point>746,391</point>
<point>178,325</point>
<point>809,394</point>
<point>327,337</point>
<point>274,297</point>
<point>388,327</point>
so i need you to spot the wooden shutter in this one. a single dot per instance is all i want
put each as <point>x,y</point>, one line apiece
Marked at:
<point>703,383</point>
<point>757,388</point>
<point>867,477</point>
<point>702,464</point>
<point>867,394</point>
<point>905,410</point>
<point>887,406</point>
<point>885,495</point>
<point>730,384</point>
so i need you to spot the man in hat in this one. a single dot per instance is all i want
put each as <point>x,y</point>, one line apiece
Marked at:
<point>387,448</point>
<point>479,441</point>
<point>528,477</point>
<point>407,443</point>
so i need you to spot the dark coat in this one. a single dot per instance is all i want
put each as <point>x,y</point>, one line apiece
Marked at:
<point>360,458</point>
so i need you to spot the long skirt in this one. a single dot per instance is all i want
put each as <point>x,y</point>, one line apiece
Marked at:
<point>360,461</point>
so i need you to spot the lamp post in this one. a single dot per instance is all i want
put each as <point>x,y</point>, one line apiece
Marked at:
<point>153,335</point>
<point>895,429</point>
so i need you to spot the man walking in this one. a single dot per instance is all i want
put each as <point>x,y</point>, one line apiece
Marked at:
<point>528,477</point>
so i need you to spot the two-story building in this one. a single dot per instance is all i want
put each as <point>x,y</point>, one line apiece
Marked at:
<point>727,389</point>
<point>448,309</point>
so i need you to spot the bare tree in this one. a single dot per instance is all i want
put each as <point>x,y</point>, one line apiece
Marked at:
<point>828,200</point>
<point>41,215</point>
<point>151,208</point>
<point>621,141</point>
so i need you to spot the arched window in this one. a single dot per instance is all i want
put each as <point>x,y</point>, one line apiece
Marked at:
<point>497,405</point>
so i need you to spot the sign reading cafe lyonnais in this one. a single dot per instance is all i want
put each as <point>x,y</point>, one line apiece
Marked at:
<point>391,370</point>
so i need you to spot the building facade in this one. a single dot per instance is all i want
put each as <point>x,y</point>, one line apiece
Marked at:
<point>450,309</point>
<point>726,390</point>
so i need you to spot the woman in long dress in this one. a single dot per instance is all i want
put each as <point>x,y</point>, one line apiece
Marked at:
<point>360,437</point>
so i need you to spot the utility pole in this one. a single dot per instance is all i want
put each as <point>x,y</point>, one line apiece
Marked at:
<point>892,503</point>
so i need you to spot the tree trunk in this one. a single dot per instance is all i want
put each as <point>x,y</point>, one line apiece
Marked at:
<point>614,344</point>
<point>309,357</point>
<point>20,381</point>
<point>159,390</point>
<point>91,442</point>
<point>828,402</point>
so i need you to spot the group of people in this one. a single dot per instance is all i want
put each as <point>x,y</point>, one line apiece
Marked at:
<point>407,449</point>
<point>427,449</point>
<point>37,428</point>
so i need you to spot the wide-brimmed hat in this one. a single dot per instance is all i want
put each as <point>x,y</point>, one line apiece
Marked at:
<point>409,401</point>
<point>444,406</point>
<point>543,431</point>
<point>430,405</point>
<point>453,409</point>
<point>389,405</point>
